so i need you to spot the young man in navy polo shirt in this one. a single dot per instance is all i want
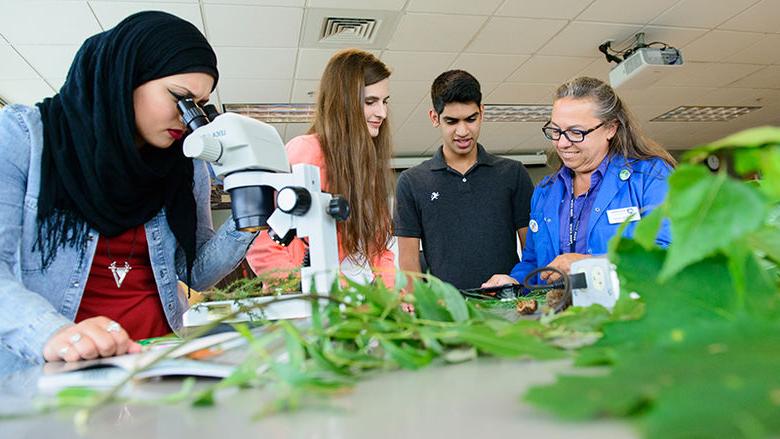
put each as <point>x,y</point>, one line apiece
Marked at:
<point>465,205</point>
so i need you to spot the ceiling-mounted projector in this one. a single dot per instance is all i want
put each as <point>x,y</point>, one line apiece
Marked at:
<point>641,64</point>
<point>644,67</point>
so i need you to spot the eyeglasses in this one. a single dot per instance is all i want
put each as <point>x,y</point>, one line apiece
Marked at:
<point>573,135</point>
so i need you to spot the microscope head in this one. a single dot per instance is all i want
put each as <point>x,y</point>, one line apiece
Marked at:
<point>236,144</point>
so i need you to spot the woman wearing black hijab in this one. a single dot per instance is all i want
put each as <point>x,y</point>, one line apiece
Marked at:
<point>102,213</point>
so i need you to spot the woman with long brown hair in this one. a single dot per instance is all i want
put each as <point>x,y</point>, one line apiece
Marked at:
<point>350,142</point>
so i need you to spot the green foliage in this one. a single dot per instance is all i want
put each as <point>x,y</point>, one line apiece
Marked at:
<point>702,360</point>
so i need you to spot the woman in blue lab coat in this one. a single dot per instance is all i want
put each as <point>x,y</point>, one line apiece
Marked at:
<point>610,172</point>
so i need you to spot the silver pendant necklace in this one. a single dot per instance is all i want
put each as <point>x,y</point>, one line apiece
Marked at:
<point>120,272</point>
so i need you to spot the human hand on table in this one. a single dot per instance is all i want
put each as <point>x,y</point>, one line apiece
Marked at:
<point>499,279</point>
<point>563,263</point>
<point>89,339</point>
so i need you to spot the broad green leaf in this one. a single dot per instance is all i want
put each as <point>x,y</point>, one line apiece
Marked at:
<point>704,215</point>
<point>406,356</point>
<point>514,342</point>
<point>750,138</point>
<point>428,305</point>
<point>646,231</point>
<point>453,300</point>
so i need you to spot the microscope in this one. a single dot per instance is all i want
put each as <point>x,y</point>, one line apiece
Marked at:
<point>265,191</point>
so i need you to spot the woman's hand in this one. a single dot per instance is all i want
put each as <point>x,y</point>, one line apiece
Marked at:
<point>91,338</point>
<point>563,263</point>
<point>499,279</point>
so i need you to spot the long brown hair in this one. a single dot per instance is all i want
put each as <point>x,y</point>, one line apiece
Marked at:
<point>358,165</point>
<point>630,140</point>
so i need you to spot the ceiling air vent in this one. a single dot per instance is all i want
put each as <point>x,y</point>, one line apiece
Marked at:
<point>348,30</point>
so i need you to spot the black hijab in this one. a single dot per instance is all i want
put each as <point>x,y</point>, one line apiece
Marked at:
<point>93,174</point>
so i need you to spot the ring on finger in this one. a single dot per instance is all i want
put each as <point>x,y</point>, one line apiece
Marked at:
<point>113,327</point>
<point>63,351</point>
<point>75,338</point>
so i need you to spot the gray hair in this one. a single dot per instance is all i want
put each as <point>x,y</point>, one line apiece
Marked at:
<point>629,140</point>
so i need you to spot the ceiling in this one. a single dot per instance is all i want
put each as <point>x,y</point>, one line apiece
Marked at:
<point>520,50</point>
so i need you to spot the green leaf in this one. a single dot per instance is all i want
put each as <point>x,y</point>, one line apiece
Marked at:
<point>702,210</point>
<point>428,305</point>
<point>750,138</point>
<point>406,356</point>
<point>646,231</point>
<point>453,300</point>
<point>514,341</point>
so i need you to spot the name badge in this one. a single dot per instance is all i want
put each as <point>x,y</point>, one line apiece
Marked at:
<point>617,216</point>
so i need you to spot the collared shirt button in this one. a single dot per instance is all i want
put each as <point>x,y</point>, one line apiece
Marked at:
<point>464,179</point>
<point>74,285</point>
<point>170,306</point>
<point>598,209</point>
<point>90,237</point>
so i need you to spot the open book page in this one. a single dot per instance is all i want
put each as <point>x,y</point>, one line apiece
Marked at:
<point>191,359</point>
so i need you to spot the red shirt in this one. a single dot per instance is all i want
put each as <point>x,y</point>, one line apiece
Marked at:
<point>136,304</point>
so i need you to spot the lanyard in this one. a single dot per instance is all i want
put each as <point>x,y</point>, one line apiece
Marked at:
<point>574,227</point>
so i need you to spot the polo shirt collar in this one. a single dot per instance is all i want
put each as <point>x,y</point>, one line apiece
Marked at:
<point>483,158</point>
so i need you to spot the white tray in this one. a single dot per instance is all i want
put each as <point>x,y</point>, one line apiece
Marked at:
<point>207,312</point>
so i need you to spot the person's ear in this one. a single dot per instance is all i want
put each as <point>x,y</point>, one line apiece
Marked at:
<point>434,117</point>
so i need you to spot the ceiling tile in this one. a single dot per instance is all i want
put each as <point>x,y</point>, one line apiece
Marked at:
<point>387,5</point>
<point>250,91</point>
<point>13,66</point>
<point>762,17</point>
<point>521,93</point>
<point>400,112</point>
<point>667,96</point>
<point>597,69</point>
<point>549,69</point>
<point>24,22</point>
<point>488,67</point>
<point>409,91</point>
<point>739,96</point>
<point>566,9</point>
<point>253,26</point>
<point>702,13</point>
<point>416,66</point>
<point>768,77</point>
<point>257,63</point>
<point>293,3</point>
<point>501,137</point>
<point>305,91</point>
<point>618,11</point>
<point>418,115</point>
<point>482,7</point>
<point>48,61</point>
<point>698,74</point>
<point>312,62</point>
<point>110,13</point>
<point>514,35</point>
<point>584,38</point>
<point>414,138</point>
<point>765,51</point>
<point>24,91</point>
<point>718,45</point>
<point>452,32</point>
<point>673,36</point>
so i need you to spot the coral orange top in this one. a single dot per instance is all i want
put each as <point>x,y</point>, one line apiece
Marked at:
<point>265,255</point>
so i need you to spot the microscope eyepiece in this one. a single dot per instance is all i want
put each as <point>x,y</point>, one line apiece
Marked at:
<point>193,116</point>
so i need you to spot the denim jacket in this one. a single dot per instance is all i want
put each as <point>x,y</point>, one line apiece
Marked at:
<point>35,303</point>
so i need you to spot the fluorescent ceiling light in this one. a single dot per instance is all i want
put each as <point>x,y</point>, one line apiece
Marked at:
<point>304,113</point>
<point>695,113</point>
<point>539,158</point>
<point>274,113</point>
<point>517,113</point>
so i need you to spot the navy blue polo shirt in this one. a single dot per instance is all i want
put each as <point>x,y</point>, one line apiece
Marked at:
<point>467,222</point>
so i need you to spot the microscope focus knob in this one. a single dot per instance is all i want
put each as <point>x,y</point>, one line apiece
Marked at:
<point>203,148</point>
<point>293,200</point>
<point>338,208</point>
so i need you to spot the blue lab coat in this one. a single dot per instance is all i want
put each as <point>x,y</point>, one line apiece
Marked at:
<point>626,183</point>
